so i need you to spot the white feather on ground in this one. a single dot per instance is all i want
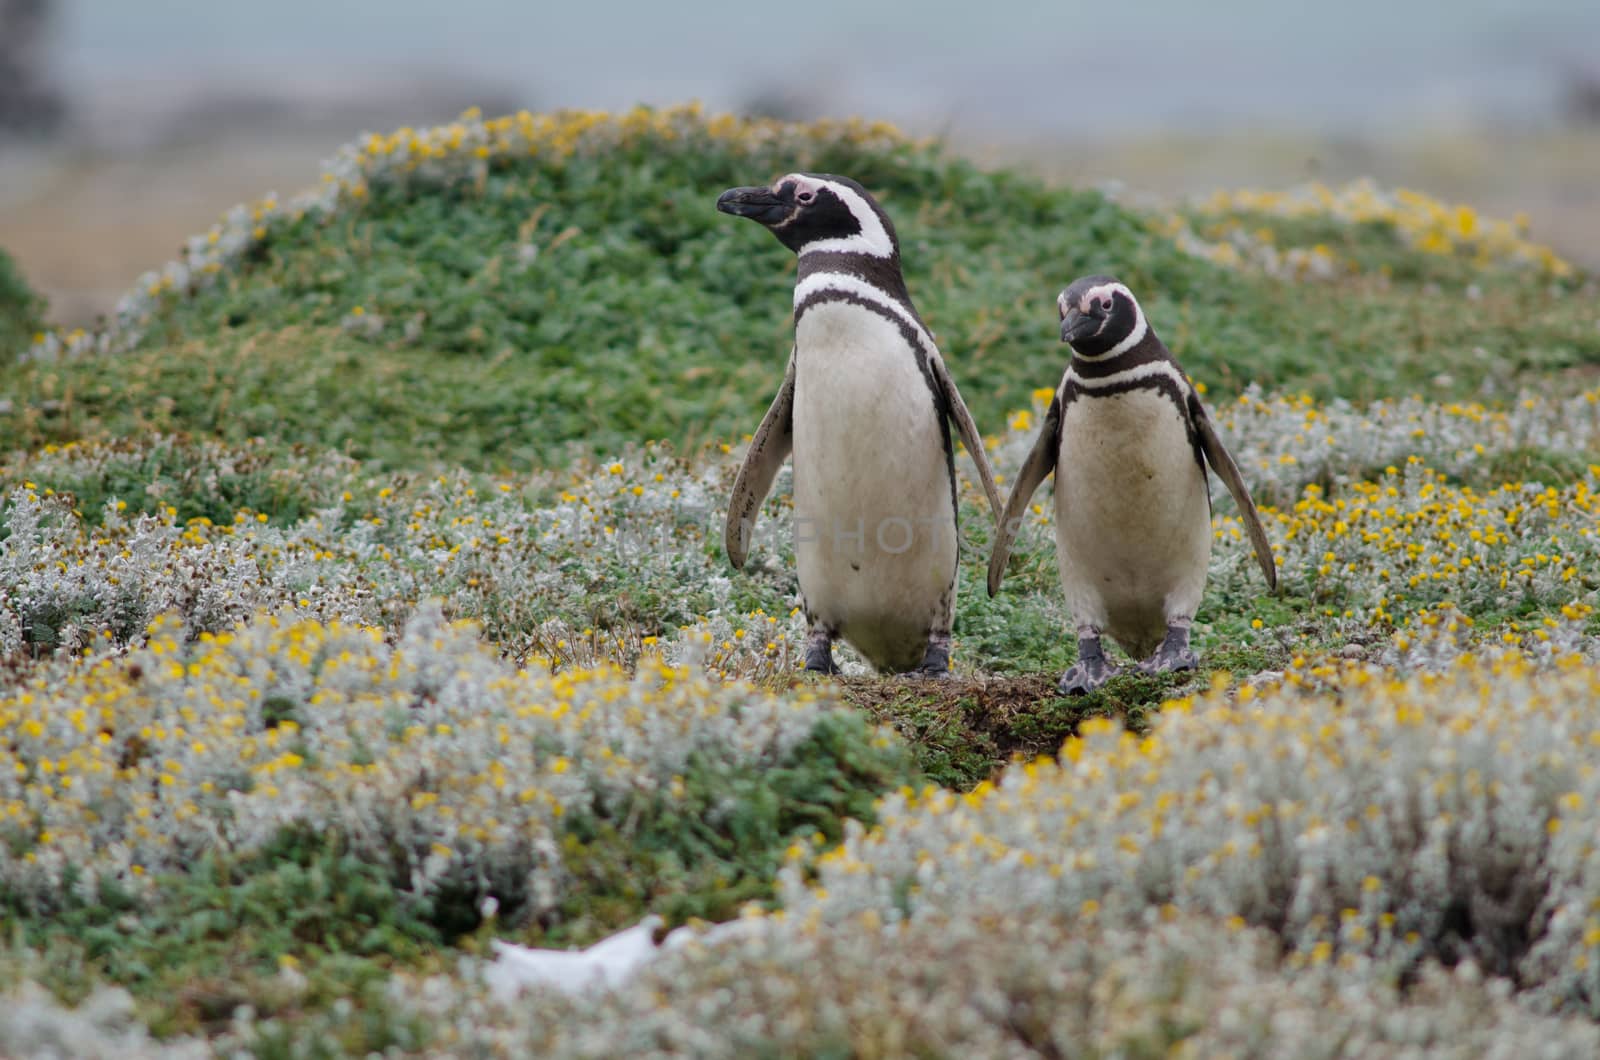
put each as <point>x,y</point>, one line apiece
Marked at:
<point>606,964</point>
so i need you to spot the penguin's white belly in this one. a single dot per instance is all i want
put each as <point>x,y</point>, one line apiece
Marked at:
<point>1133,519</point>
<point>875,532</point>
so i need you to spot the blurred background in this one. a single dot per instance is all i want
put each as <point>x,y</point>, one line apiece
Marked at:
<point>126,125</point>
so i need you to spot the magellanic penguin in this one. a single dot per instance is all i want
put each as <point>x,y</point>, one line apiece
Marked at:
<point>1129,441</point>
<point>865,408</point>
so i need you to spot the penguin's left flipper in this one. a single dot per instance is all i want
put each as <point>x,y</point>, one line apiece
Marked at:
<point>1217,456</point>
<point>1035,469</point>
<point>969,433</point>
<point>770,446</point>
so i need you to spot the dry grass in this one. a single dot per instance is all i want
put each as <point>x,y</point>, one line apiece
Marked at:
<point>968,728</point>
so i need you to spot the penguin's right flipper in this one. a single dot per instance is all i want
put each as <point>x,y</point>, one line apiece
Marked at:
<point>768,449</point>
<point>968,431</point>
<point>1222,463</point>
<point>1041,461</point>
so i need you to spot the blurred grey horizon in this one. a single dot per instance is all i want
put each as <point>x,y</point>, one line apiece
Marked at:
<point>174,110</point>
<point>1010,68</point>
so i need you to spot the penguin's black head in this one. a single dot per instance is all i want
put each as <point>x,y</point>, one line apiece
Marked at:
<point>816,211</point>
<point>1100,317</point>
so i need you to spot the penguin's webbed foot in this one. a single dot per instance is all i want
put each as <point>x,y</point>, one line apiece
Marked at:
<point>819,653</point>
<point>821,662</point>
<point>935,660</point>
<point>1164,661</point>
<point>1081,679</point>
<point>1090,671</point>
<point>1173,655</point>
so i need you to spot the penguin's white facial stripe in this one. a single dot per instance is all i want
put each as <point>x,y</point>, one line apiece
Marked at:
<point>805,188</point>
<point>804,191</point>
<point>1106,293</point>
<point>1110,292</point>
<point>847,284</point>
<point>871,238</point>
<point>1135,336</point>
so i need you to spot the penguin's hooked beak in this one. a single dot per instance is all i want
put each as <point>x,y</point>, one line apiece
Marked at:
<point>1077,325</point>
<point>758,204</point>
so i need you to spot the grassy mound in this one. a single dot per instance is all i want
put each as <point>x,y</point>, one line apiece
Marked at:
<point>485,293</point>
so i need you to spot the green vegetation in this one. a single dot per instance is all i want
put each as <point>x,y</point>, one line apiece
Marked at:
<point>247,760</point>
<point>598,298</point>
<point>221,932</point>
<point>21,310</point>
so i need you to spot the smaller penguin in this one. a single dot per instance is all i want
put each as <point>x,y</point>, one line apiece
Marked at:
<point>1129,440</point>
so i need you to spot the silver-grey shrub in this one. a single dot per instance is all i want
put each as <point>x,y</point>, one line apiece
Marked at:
<point>1445,816</point>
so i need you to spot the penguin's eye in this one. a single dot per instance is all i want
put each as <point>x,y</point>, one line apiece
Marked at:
<point>1105,306</point>
<point>804,198</point>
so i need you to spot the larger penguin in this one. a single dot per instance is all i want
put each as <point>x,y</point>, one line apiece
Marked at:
<point>865,407</point>
<point>1129,441</point>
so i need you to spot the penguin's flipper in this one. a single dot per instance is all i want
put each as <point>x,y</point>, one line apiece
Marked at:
<point>1228,472</point>
<point>969,433</point>
<point>768,449</point>
<point>1035,469</point>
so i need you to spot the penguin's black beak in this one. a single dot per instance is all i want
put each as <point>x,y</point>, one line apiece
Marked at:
<point>1077,325</point>
<point>758,204</point>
